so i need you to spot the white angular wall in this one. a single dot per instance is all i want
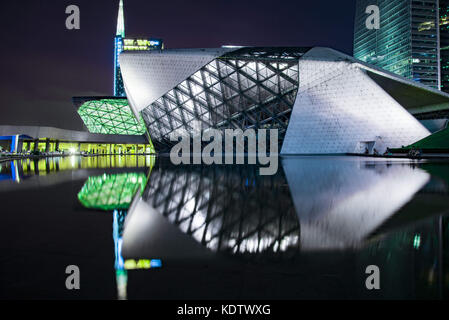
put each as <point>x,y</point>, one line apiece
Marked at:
<point>149,75</point>
<point>339,108</point>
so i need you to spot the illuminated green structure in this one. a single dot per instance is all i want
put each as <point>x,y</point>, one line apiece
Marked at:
<point>110,116</point>
<point>111,192</point>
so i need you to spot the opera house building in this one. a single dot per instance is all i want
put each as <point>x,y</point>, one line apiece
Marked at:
<point>320,100</point>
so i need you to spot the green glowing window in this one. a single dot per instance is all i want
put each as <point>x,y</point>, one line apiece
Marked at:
<point>111,116</point>
<point>111,192</point>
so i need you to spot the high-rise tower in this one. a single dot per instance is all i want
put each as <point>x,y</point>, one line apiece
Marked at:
<point>444,44</point>
<point>128,44</point>
<point>119,90</point>
<point>407,42</point>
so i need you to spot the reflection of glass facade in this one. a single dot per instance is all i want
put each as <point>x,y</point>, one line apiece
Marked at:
<point>246,89</point>
<point>110,116</point>
<point>235,211</point>
<point>115,193</point>
<point>111,192</point>
<point>23,169</point>
<point>229,209</point>
<point>407,41</point>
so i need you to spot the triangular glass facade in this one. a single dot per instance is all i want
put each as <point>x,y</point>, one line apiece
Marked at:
<point>246,89</point>
<point>110,116</point>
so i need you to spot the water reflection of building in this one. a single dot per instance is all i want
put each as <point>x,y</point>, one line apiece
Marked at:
<point>25,168</point>
<point>196,212</point>
<point>102,191</point>
<point>230,209</point>
<point>9,171</point>
<point>318,205</point>
<point>340,203</point>
<point>201,213</point>
<point>114,192</point>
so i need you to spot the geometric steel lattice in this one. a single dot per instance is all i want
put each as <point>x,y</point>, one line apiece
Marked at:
<point>111,192</point>
<point>110,116</point>
<point>246,89</point>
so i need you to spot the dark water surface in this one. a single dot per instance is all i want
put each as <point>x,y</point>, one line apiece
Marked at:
<point>224,232</point>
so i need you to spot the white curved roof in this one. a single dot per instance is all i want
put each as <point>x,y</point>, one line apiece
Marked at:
<point>148,75</point>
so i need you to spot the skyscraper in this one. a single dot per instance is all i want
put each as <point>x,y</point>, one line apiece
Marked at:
<point>119,90</point>
<point>408,40</point>
<point>126,44</point>
<point>444,44</point>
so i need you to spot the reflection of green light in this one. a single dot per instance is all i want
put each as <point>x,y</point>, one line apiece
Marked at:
<point>132,264</point>
<point>417,241</point>
<point>111,192</point>
<point>111,116</point>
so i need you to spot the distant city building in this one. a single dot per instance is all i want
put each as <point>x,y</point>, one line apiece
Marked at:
<point>408,40</point>
<point>56,141</point>
<point>127,44</point>
<point>444,44</point>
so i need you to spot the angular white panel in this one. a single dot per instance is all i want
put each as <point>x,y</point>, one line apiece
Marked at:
<point>148,75</point>
<point>340,109</point>
<point>327,54</point>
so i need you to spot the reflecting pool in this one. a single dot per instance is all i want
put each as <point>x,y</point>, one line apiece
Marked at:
<point>139,227</point>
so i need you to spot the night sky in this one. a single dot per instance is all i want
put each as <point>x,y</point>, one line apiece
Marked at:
<point>43,64</point>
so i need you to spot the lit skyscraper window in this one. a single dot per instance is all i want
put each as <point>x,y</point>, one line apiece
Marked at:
<point>407,42</point>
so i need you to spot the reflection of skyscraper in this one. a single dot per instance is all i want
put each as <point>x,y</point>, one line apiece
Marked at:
<point>122,44</point>
<point>407,42</point>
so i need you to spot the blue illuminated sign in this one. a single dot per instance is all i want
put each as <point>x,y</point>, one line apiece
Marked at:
<point>156,263</point>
